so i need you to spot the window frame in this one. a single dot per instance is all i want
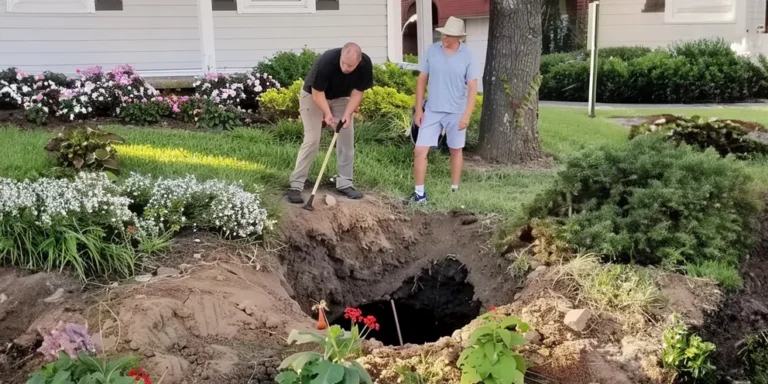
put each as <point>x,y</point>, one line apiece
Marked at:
<point>86,7</point>
<point>271,6</point>
<point>672,15</point>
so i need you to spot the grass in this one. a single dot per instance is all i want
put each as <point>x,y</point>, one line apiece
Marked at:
<point>267,156</point>
<point>614,288</point>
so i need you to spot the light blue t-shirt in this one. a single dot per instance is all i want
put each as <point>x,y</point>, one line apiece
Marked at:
<point>448,77</point>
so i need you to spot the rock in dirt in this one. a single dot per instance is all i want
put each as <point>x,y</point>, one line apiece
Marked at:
<point>143,278</point>
<point>165,271</point>
<point>577,319</point>
<point>274,323</point>
<point>533,337</point>
<point>56,297</point>
<point>197,256</point>
<point>330,200</point>
<point>3,298</point>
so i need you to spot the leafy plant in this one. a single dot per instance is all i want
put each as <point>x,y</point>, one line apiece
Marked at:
<point>336,363</point>
<point>37,114</point>
<point>280,103</point>
<point>755,356</point>
<point>410,58</point>
<point>85,369</point>
<point>148,113</point>
<point>85,148</point>
<point>390,75</point>
<point>287,67</point>
<point>218,117</point>
<point>490,358</point>
<point>687,354</point>
<point>381,102</point>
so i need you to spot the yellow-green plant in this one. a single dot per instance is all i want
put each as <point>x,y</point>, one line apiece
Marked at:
<point>687,354</point>
<point>282,102</point>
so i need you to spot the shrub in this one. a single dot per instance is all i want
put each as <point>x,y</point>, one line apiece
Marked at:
<point>490,358</point>
<point>211,115</point>
<point>85,148</point>
<point>37,114</point>
<point>381,102</point>
<point>279,103</point>
<point>87,368</point>
<point>698,71</point>
<point>756,358</point>
<point>337,363</point>
<point>391,76</point>
<point>687,354</point>
<point>287,67</point>
<point>145,113</point>
<point>410,58</point>
<point>652,202</point>
<point>725,136</point>
<point>240,90</point>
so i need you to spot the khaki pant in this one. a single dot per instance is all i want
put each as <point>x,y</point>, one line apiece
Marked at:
<point>312,118</point>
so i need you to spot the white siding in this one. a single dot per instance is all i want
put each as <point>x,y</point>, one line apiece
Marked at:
<point>477,41</point>
<point>151,35</point>
<point>244,39</point>
<point>622,23</point>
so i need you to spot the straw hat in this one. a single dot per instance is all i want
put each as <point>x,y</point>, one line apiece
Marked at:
<point>453,27</point>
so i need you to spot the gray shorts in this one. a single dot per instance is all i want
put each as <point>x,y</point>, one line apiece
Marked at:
<point>433,125</point>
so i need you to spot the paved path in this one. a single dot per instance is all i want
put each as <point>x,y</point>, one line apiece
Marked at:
<point>568,104</point>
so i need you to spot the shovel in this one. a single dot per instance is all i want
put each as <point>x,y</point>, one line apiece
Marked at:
<point>308,206</point>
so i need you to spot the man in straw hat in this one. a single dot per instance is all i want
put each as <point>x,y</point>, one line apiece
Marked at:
<point>449,74</point>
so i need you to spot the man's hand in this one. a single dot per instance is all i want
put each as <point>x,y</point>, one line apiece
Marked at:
<point>347,121</point>
<point>418,118</point>
<point>464,122</point>
<point>329,120</point>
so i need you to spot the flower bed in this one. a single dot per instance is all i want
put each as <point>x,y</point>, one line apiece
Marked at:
<point>92,224</point>
<point>221,100</point>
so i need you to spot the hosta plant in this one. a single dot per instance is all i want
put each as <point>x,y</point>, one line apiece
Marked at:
<point>86,368</point>
<point>491,358</point>
<point>85,148</point>
<point>336,364</point>
<point>687,354</point>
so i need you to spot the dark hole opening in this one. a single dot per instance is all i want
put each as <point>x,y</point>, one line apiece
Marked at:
<point>429,306</point>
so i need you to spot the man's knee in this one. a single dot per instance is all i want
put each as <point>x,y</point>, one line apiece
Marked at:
<point>456,151</point>
<point>421,152</point>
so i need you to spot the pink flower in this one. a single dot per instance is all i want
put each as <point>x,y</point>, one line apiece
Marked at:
<point>217,99</point>
<point>159,98</point>
<point>143,101</point>
<point>40,76</point>
<point>39,96</point>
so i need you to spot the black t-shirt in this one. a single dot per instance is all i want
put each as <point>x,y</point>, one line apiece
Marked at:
<point>326,76</point>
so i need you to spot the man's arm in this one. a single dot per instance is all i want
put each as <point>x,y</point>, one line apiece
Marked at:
<point>471,97</point>
<point>319,98</point>
<point>354,101</point>
<point>421,87</point>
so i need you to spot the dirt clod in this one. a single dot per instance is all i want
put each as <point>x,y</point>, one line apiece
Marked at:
<point>165,271</point>
<point>577,319</point>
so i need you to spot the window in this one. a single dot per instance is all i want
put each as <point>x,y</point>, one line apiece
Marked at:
<point>224,5</point>
<point>286,6</point>
<point>654,6</point>
<point>63,6</point>
<point>700,11</point>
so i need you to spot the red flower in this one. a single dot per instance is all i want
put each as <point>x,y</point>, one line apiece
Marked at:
<point>353,314</point>
<point>492,308</point>
<point>139,375</point>
<point>371,323</point>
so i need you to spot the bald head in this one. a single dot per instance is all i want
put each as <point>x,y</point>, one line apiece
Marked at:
<point>351,54</point>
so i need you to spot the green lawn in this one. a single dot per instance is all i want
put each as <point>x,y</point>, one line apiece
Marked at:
<point>265,157</point>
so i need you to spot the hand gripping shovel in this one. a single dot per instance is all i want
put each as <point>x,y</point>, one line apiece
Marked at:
<point>308,206</point>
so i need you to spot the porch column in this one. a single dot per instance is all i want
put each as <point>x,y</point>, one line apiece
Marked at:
<point>207,44</point>
<point>394,31</point>
<point>424,33</point>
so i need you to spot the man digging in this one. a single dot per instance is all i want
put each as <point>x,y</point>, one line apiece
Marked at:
<point>449,72</point>
<point>333,89</point>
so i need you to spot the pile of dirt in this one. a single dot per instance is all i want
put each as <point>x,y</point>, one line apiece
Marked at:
<point>744,313</point>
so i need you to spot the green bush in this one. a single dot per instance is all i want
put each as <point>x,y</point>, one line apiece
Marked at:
<point>410,58</point>
<point>85,368</point>
<point>283,102</point>
<point>727,137</point>
<point>287,67</point>
<point>652,202</point>
<point>382,102</point>
<point>500,335</point>
<point>687,354</point>
<point>218,117</point>
<point>756,358</point>
<point>692,72</point>
<point>85,148</point>
<point>147,113</point>
<point>391,76</point>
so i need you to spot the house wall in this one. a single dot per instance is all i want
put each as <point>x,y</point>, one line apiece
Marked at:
<point>161,37</point>
<point>244,39</point>
<point>152,35</point>
<point>622,23</point>
<point>477,41</point>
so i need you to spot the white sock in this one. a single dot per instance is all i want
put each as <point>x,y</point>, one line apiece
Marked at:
<point>420,190</point>
<point>454,187</point>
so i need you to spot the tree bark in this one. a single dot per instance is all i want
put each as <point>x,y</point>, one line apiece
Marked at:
<point>509,125</point>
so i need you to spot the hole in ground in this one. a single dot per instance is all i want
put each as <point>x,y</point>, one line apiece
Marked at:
<point>431,305</point>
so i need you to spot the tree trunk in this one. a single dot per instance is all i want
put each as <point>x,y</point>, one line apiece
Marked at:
<point>509,125</point>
